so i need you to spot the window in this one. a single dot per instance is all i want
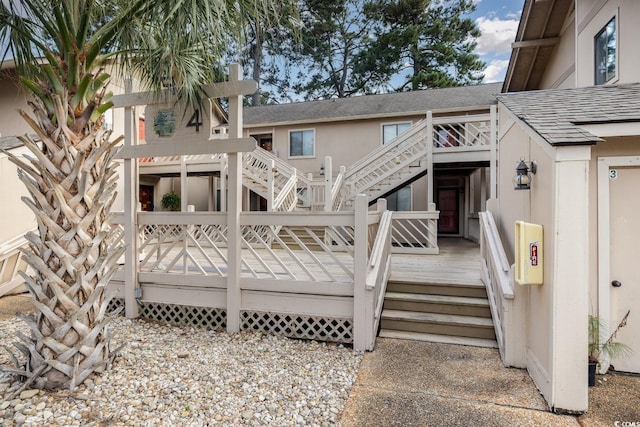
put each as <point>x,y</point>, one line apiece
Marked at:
<point>302,143</point>
<point>606,43</point>
<point>389,132</point>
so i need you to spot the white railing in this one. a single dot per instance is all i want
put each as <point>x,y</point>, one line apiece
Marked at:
<point>336,265</point>
<point>462,132</point>
<point>11,263</point>
<point>415,232</point>
<point>379,270</point>
<point>390,165</point>
<point>497,277</point>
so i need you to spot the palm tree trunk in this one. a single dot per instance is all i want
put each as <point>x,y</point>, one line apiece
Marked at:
<point>71,181</point>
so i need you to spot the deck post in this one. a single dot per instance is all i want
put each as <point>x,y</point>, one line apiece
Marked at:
<point>130,216</point>
<point>234,207</point>
<point>493,162</point>
<point>184,187</point>
<point>361,322</point>
<point>328,177</point>
<point>224,170</point>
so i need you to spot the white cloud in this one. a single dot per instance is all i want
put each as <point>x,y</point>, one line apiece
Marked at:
<point>497,35</point>
<point>496,71</point>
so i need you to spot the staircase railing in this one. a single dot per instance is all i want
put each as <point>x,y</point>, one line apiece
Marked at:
<point>379,268</point>
<point>389,165</point>
<point>497,277</point>
<point>271,177</point>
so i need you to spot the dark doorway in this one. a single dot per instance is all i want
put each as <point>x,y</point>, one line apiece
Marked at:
<point>146,197</point>
<point>265,141</point>
<point>448,201</point>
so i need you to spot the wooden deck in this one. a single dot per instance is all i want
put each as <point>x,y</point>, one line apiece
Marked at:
<point>457,263</point>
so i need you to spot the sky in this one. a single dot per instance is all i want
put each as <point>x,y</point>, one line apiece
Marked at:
<point>498,21</point>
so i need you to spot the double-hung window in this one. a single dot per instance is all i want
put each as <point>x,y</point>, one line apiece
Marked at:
<point>302,143</point>
<point>606,53</point>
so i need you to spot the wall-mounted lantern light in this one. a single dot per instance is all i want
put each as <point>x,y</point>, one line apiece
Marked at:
<point>321,168</point>
<point>522,179</point>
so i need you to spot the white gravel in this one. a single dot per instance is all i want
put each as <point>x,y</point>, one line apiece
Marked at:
<point>184,376</point>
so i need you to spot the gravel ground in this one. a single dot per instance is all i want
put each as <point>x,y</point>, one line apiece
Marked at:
<point>169,375</point>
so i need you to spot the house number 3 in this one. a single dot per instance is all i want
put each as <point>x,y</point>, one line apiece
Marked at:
<point>613,173</point>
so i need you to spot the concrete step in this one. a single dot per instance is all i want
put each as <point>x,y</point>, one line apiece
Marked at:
<point>473,289</point>
<point>445,339</point>
<point>439,324</point>
<point>443,304</point>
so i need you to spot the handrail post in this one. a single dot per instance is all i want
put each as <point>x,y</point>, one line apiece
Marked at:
<point>328,176</point>
<point>493,162</point>
<point>432,227</point>
<point>310,191</point>
<point>361,321</point>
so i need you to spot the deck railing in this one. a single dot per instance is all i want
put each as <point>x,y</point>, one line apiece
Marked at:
<point>415,232</point>
<point>462,133</point>
<point>318,280</point>
<point>497,276</point>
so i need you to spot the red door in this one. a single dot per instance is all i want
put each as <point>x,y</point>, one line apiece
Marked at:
<point>146,197</point>
<point>448,206</point>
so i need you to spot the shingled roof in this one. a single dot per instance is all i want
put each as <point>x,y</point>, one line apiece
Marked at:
<point>557,114</point>
<point>366,106</point>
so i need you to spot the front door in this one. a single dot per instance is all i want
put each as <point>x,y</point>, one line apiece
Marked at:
<point>146,197</point>
<point>625,268</point>
<point>621,286</point>
<point>448,207</point>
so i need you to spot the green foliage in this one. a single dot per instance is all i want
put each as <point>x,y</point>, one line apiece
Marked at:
<point>433,42</point>
<point>356,47</point>
<point>171,201</point>
<point>600,345</point>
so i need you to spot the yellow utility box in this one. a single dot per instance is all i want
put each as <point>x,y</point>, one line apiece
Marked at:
<point>529,255</point>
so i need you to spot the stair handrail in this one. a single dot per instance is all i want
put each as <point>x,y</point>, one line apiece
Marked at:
<point>379,266</point>
<point>497,279</point>
<point>336,190</point>
<point>362,172</point>
<point>7,248</point>
<point>289,188</point>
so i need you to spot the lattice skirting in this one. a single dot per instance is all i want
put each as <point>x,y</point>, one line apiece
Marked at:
<point>203,317</point>
<point>114,304</point>
<point>294,326</point>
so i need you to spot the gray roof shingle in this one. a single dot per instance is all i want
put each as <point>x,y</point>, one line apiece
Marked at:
<point>390,104</point>
<point>556,114</point>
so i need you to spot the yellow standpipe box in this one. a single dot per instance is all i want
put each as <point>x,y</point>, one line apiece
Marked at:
<point>529,254</point>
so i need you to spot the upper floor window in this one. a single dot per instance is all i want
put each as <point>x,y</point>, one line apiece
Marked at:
<point>302,143</point>
<point>606,44</point>
<point>390,131</point>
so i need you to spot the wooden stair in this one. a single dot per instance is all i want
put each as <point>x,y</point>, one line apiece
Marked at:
<point>303,236</point>
<point>454,313</point>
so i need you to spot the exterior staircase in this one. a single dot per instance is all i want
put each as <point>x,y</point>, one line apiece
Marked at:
<point>439,298</point>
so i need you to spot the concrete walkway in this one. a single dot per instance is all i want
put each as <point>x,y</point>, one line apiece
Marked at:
<point>412,383</point>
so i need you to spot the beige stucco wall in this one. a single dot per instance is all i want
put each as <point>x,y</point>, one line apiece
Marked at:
<point>591,17</point>
<point>560,71</point>
<point>12,98</point>
<point>15,217</point>
<point>556,311</point>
